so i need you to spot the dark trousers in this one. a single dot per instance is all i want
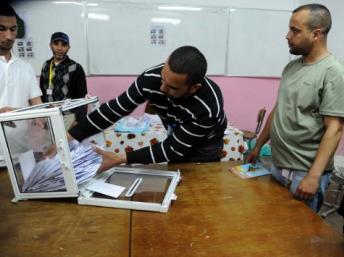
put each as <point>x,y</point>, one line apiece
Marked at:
<point>341,208</point>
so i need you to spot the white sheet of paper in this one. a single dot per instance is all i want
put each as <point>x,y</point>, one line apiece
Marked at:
<point>106,188</point>
<point>47,175</point>
<point>27,163</point>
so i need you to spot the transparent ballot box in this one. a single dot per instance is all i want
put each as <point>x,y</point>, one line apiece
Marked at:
<point>42,163</point>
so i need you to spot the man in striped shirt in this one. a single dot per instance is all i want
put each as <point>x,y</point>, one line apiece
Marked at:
<point>189,104</point>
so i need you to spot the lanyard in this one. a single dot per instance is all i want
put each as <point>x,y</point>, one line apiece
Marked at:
<point>51,75</point>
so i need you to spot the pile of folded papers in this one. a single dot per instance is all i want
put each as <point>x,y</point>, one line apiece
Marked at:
<point>47,176</point>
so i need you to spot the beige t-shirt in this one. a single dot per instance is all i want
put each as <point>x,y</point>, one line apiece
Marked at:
<point>307,93</point>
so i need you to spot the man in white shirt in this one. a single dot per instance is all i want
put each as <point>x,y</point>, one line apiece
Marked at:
<point>18,84</point>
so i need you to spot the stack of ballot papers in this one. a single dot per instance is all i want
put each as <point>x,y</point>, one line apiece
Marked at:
<point>47,174</point>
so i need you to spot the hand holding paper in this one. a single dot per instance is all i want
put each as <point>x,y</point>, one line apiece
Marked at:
<point>110,159</point>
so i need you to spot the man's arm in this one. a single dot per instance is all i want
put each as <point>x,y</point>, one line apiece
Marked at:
<point>262,139</point>
<point>328,145</point>
<point>108,113</point>
<point>38,121</point>
<point>6,109</point>
<point>174,148</point>
<point>35,100</point>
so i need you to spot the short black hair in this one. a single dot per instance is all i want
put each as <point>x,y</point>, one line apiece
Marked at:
<point>188,60</point>
<point>319,17</point>
<point>6,10</point>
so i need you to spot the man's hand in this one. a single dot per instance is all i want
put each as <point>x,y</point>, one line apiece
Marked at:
<point>40,122</point>
<point>50,152</point>
<point>8,123</point>
<point>110,159</point>
<point>6,109</point>
<point>307,188</point>
<point>253,155</point>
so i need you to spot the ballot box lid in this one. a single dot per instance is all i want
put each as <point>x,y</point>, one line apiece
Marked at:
<point>131,188</point>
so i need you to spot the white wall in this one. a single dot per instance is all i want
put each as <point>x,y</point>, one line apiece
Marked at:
<point>336,35</point>
<point>254,4</point>
<point>258,25</point>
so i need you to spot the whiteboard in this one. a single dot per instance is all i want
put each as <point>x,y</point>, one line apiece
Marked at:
<point>256,42</point>
<point>119,35</point>
<point>43,18</point>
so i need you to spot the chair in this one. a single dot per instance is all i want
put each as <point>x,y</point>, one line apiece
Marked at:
<point>250,135</point>
<point>336,191</point>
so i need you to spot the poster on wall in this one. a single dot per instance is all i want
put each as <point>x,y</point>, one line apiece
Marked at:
<point>157,35</point>
<point>24,48</point>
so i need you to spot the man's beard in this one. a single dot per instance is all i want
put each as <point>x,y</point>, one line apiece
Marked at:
<point>59,57</point>
<point>302,50</point>
<point>6,47</point>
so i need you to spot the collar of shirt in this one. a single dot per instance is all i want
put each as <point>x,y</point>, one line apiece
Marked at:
<point>11,60</point>
<point>65,60</point>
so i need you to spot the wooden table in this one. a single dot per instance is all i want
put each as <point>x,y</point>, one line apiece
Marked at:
<point>216,214</point>
<point>219,214</point>
<point>60,227</point>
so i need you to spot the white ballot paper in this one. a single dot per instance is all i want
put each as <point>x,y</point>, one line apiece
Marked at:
<point>47,175</point>
<point>106,189</point>
<point>27,163</point>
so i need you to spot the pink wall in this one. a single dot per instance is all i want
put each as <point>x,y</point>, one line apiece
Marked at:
<point>108,87</point>
<point>243,97</point>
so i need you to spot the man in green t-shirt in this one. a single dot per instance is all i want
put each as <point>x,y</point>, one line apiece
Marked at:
<point>305,126</point>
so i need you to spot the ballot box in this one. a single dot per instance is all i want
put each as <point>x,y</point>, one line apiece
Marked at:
<point>43,163</point>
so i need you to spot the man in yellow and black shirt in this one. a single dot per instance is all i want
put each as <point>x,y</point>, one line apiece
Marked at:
<point>61,77</point>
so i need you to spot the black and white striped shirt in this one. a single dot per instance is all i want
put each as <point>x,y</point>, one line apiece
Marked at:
<point>196,121</point>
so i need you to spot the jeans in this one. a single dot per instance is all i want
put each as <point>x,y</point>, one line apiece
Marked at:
<point>293,179</point>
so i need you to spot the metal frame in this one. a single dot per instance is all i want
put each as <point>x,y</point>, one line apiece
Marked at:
<point>54,115</point>
<point>65,105</point>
